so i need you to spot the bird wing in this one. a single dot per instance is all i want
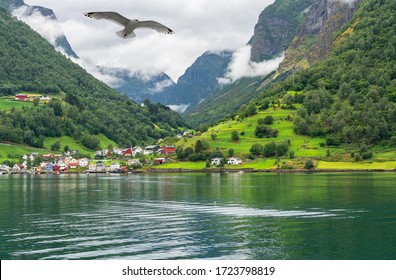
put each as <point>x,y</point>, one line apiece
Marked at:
<point>154,25</point>
<point>112,16</point>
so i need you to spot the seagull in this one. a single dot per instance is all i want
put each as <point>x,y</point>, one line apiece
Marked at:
<point>129,25</point>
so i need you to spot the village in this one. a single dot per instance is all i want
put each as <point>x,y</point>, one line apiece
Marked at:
<point>127,160</point>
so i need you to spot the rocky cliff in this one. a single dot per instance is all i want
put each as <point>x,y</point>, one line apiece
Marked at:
<point>200,79</point>
<point>316,34</point>
<point>276,27</point>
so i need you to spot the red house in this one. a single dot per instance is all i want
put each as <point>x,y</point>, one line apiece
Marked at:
<point>127,152</point>
<point>168,150</point>
<point>21,97</point>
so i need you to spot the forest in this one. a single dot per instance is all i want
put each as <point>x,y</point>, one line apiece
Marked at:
<point>81,105</point>
<point>349,96</point>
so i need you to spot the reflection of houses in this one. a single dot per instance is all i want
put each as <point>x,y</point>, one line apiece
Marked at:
<point>234,160</point>
<point>216,161</point>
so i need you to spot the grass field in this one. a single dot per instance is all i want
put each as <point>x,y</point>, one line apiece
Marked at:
<point>8,104</point>
<point>304,147</point>
<point>257,164</point>
<point>16,150</point>
<point>356,165</point>
<point>6,149</point>
<point>183,165</point>
<point>74,145</point>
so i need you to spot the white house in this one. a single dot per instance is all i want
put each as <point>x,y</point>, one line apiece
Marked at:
<point>234,160</point>
<point>133,162</point>
<point>83,162</point>
<point>71,160</point>
<point>16,168</point>
<point>115,166</point>
<point>137,150</point>
<point>150,149</point>
<point>117,151</point>
<point>44,98</point>
<point>4,168</point>
<point>100,167</point>
<point>92,167</point>
<point>216,161</point>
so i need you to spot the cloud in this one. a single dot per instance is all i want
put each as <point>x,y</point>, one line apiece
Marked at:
<point>160,86</point>
<point>241,66</point>
<point>179,108</point>
<point>90,66</point>
<point>199,26</point>
<point>45,26</point>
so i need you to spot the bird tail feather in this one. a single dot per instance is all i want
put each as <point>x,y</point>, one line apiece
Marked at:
<point>123,35</point>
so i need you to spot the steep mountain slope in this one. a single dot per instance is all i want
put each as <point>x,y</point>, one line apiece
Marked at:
<point>199,80</point>
<point>276,27</point>
<point>225,101</point>
<point>26,11</point>
<point>315,36</point>
<point>81,105</point>
<point>350,96</point>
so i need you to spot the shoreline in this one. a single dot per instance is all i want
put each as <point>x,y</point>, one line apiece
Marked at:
<point>251,170</point>
<point>217,170</point>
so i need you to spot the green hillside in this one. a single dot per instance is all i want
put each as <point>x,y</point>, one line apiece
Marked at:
<point>217,141</point>
<point>224,102</point>
<point>339,114</point>
<point>274,31</point>
<point>80,106</point>
<point>350,95</point>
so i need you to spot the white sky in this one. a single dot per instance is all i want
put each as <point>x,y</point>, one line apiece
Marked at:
<point>199,26</point>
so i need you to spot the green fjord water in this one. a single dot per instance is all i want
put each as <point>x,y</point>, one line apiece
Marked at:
<point>204,216</point>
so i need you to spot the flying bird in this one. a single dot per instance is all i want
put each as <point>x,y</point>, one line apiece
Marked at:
<point>128,24</point>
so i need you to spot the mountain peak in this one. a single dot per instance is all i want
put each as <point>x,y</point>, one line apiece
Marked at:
<point>39,18</point>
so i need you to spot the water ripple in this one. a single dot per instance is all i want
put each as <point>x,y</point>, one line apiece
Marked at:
<point>160,230</point>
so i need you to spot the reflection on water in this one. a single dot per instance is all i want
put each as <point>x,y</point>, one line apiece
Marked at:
<point>213,216</point>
